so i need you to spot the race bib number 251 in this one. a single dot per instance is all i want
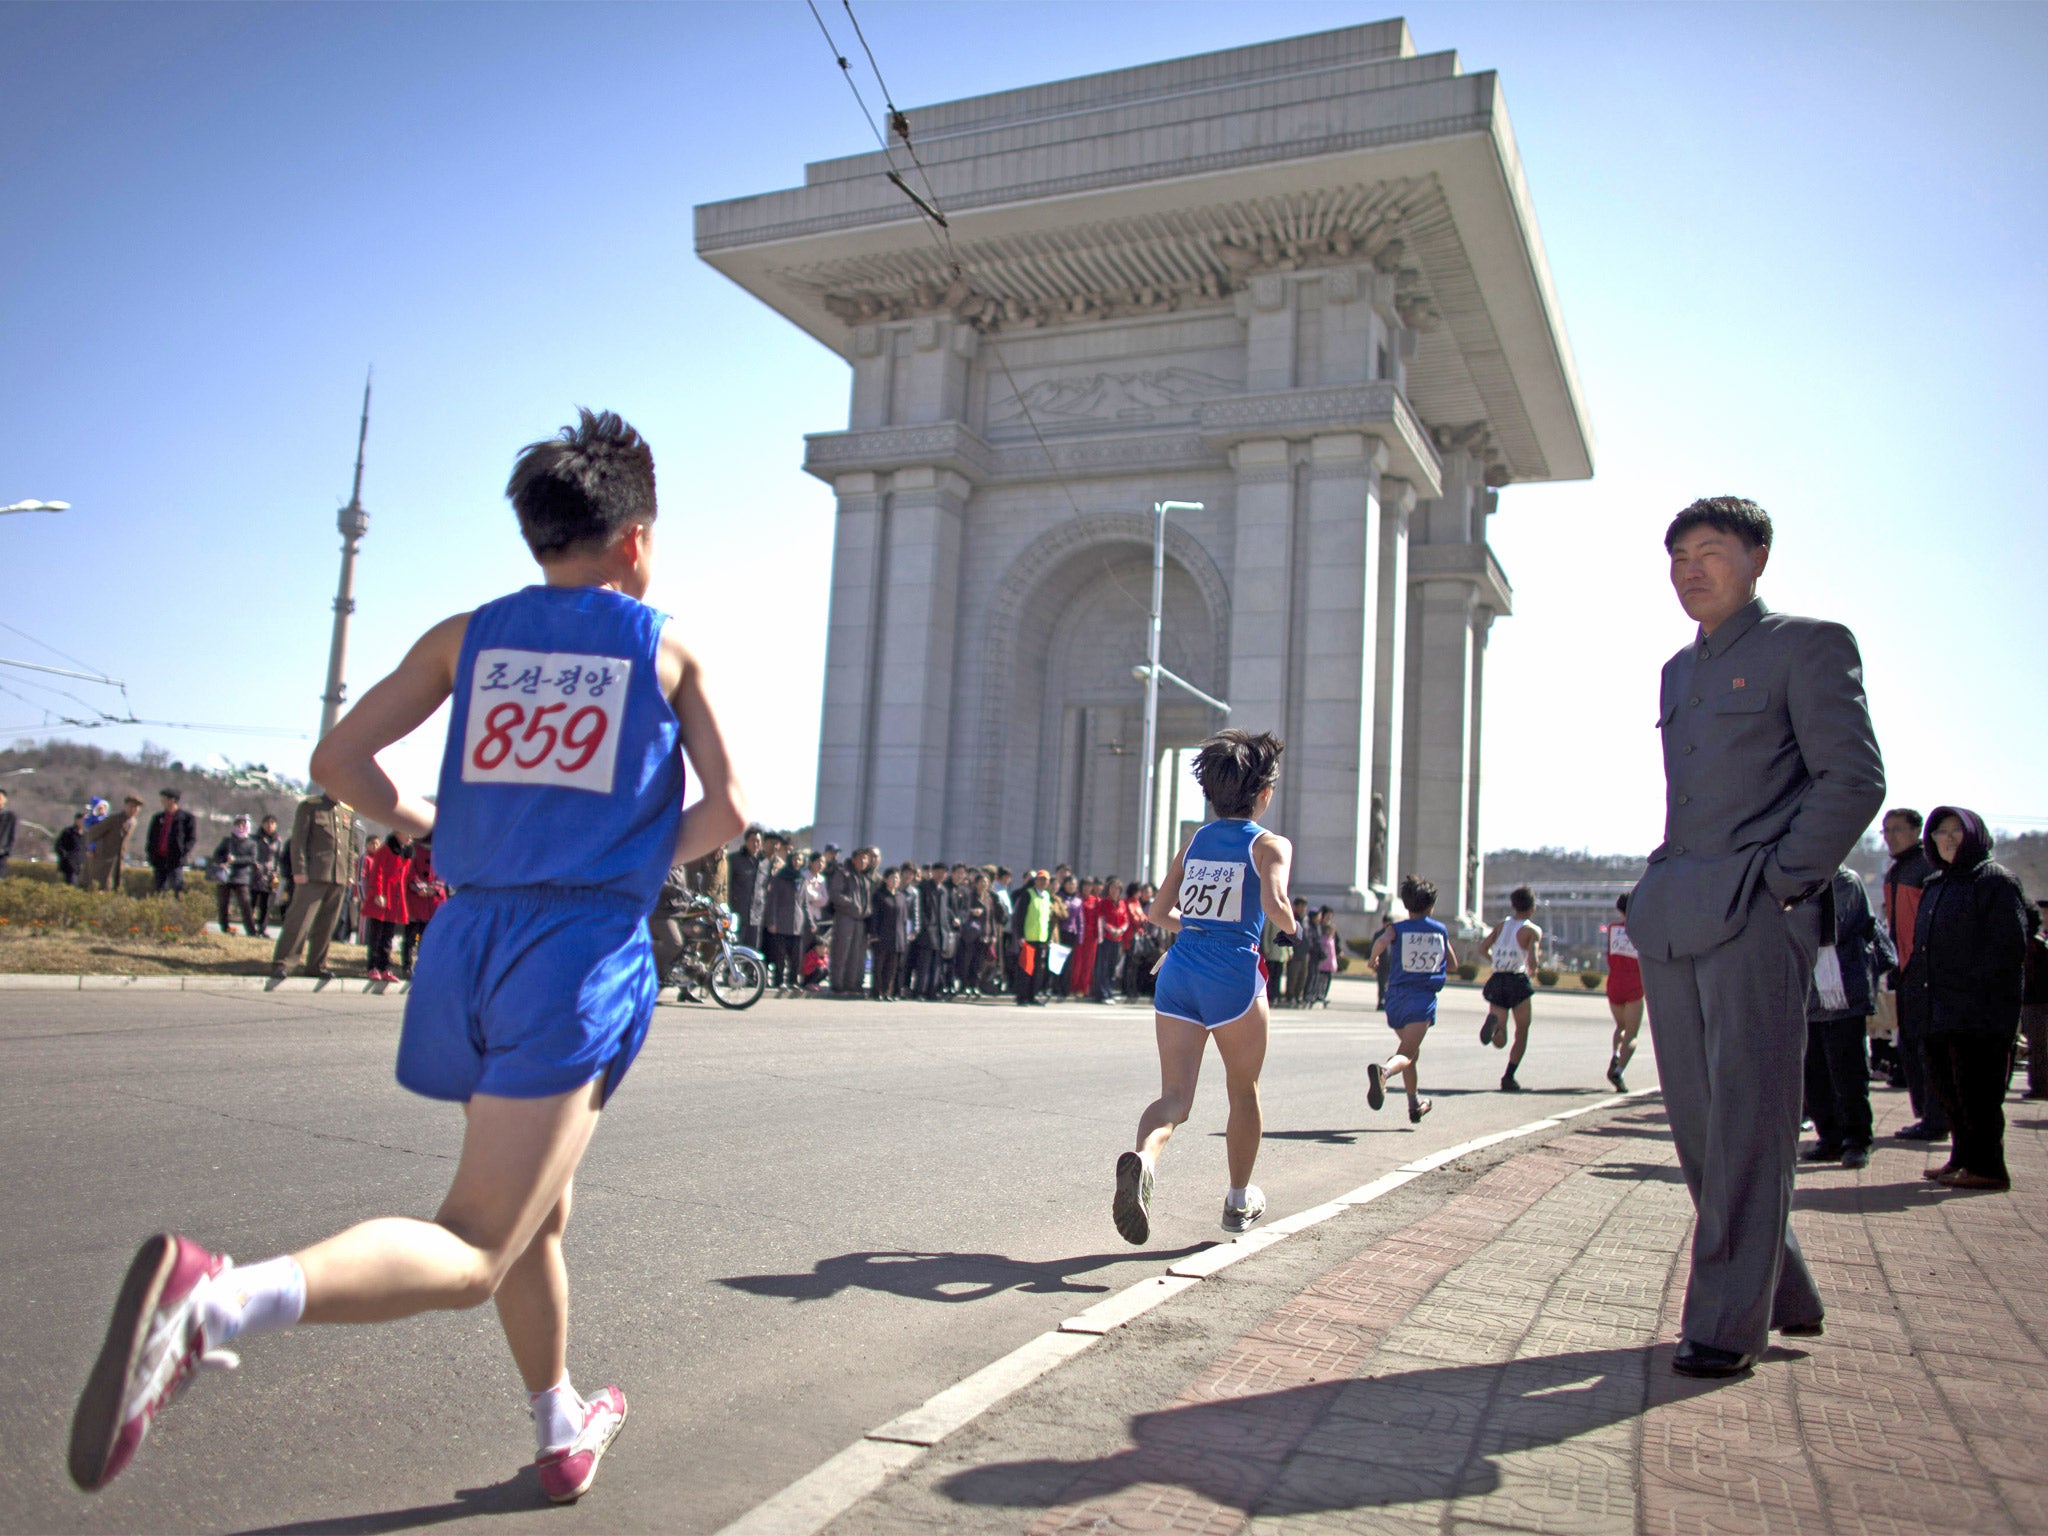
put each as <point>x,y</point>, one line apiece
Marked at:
<point>1212,889</point>
<point>544,717</point>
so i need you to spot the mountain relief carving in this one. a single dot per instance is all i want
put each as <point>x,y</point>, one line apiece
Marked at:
<point>1137,398</point>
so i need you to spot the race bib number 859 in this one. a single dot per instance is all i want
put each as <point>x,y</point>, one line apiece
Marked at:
<point>544,717</point>
<point>1212,889</point>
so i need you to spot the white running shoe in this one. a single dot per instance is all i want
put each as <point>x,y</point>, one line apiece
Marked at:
<point>1132,1207</point>
<point>1241,1218</point>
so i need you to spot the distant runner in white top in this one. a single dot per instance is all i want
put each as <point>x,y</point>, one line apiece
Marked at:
<point>1513,946</point>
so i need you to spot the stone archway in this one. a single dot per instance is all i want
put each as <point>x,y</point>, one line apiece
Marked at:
<point>1062,718</point>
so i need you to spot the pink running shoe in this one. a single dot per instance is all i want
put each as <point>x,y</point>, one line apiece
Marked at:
<point>567,1473</point>
<point>154,1344</point>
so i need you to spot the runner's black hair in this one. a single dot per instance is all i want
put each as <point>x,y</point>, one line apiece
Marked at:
<point>1418,895</point>
<point>583,486</point>
<point>1235,767</point>
<point>1522,899</point>
<point>1621,903</point>
<point>1737,515</point>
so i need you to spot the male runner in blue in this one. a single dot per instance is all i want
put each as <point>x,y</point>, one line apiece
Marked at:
<point>1419,949</point>
<point>559,813</point>
<point>1218,893</point>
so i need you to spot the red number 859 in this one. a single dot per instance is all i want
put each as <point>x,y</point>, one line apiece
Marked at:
<point>581,734</point>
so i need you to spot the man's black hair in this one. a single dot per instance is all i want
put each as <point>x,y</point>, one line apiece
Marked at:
<point>1907,814</point>
<point>167,794</point>
<point>1235,767</point>
<point>1522,899</point>
<point>1417,894</point>
<point>1621,903</point>
<point>581,487</point>
<point>1736,515</point>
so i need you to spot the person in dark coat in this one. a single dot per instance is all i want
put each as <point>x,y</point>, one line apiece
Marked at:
<point>889,928</point>
<point>1839,1001</point>
<point>263,874</point>
<point>70,848</point>
<point>169,843</point>
<point>788,923</point>
<point>234,869</point>
<point>1969,954</point>
<point>747,874</point>
<point>7,824</point>
<point>852,889</point>
<point>2034,1002</point>
<point>1910,867</point>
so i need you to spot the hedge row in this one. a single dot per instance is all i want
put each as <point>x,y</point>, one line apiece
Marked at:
<point>29,908</point>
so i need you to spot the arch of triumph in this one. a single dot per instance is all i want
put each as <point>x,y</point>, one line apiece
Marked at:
<point>1299,283</point>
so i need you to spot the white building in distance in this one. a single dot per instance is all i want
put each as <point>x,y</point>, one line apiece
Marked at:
<point>1299,283</point>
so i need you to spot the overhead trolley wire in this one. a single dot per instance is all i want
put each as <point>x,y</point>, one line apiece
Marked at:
<point>933,216</point>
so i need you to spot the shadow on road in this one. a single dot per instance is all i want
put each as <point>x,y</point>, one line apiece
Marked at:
<point>518,1494</point>
<point>1366,1444</point>
<point>1662,1173</point>
<point>1871,1199</point>
<point>950,1277</point>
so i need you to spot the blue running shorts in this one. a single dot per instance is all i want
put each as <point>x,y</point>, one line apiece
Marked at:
<point>1405,1008</point>
<point>527,992</point>
<point>1208,983</point>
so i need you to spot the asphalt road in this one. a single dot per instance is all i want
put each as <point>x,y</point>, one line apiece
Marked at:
<point>795,1223</point>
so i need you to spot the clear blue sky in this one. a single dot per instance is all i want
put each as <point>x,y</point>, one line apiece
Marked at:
<point>1798,251</point>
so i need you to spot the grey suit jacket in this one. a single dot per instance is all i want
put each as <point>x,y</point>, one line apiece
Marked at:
<point>1771,774</point>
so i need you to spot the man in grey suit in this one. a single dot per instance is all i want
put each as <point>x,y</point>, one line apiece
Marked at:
<point>1771,775</point>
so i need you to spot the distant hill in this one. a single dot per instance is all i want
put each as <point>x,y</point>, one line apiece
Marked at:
<point>49,781</point>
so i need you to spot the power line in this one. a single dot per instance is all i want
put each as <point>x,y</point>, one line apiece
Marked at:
<point>933,217</point>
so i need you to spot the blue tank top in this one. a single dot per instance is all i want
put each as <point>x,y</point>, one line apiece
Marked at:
<point>1220,895</point>
<point>563,765</point>
<point>1420,954</point>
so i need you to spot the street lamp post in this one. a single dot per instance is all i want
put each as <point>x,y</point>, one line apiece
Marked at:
<point>1152,672</point>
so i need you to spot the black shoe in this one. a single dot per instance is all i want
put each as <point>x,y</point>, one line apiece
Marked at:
<point>1820,1152</point>
<point>1375,1086</point>
<point>1614,1072</point>
<point>1132,1207</point>
<point>1803,1330</point>
<point>1706,1361</point>
<point>1486,1031</point>
<point>1855,1157</point>
<point>1417,1108</point>
<point>278,972</point>
<point>1508,1083</point>
<point>1919,1130</point>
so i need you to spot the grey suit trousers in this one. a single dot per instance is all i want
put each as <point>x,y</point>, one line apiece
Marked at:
<point>1730,1033</point>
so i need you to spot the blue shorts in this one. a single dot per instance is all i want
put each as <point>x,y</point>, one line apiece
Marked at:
<point>527,992</point>
<point>1207,983</point>
<point>1405,1007</point>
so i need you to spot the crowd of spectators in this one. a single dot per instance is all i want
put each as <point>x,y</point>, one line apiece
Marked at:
<point>846,924</point>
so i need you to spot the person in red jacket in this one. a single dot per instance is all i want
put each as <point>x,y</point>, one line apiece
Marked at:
<point>384,874</point>
<point>1081,969</point>
<point>1112,932</point>
<point>424,894</point>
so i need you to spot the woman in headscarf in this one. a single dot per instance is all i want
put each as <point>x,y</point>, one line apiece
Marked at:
<point>1969,944</point>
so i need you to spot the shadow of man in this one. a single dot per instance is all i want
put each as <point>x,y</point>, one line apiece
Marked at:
<point>952,1277</point>
<point>1409,1437</point>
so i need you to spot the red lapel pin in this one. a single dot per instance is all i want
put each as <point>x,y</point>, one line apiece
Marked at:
<point>1742,682</point>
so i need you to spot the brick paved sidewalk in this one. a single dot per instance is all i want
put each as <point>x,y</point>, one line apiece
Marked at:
<point>1501,1361</point>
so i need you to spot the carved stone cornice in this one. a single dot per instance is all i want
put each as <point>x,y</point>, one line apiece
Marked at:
<point>943,445</point>
<point>1473,563</point>
<point>1376,409</point>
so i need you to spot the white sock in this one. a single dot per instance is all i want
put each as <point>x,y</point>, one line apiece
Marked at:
<point>1146,1159</point>
<point>1237,1199</point>
<point>253,1298</point>
<point>557,1415</point>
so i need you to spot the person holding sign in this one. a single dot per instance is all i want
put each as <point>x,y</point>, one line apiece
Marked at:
<point>1218,894</point>
<point>559,814</point>
<point>1419,957</point>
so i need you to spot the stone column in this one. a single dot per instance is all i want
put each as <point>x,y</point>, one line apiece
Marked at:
<point>850,644</point>
<point>910,723</point>
<point>1390,680</point>
<point>1327,774</point>
<point>1259,586</point>
<point>1475,850</point>
<point>1441,748</point>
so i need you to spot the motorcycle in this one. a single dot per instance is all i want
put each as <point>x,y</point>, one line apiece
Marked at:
<point>735,975</point>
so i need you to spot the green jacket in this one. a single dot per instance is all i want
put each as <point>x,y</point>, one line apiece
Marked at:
<point>1038,917</point>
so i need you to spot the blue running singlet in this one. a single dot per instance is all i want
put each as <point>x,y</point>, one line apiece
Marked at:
<point>1213,974</point>
<point>560,800</point>
<point>1418,962</point>
<point>562,766</point>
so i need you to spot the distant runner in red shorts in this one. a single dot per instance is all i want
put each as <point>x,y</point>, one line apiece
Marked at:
<point>1624,995</point>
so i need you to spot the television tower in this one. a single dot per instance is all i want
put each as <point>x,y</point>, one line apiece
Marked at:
<point>353,522</point>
